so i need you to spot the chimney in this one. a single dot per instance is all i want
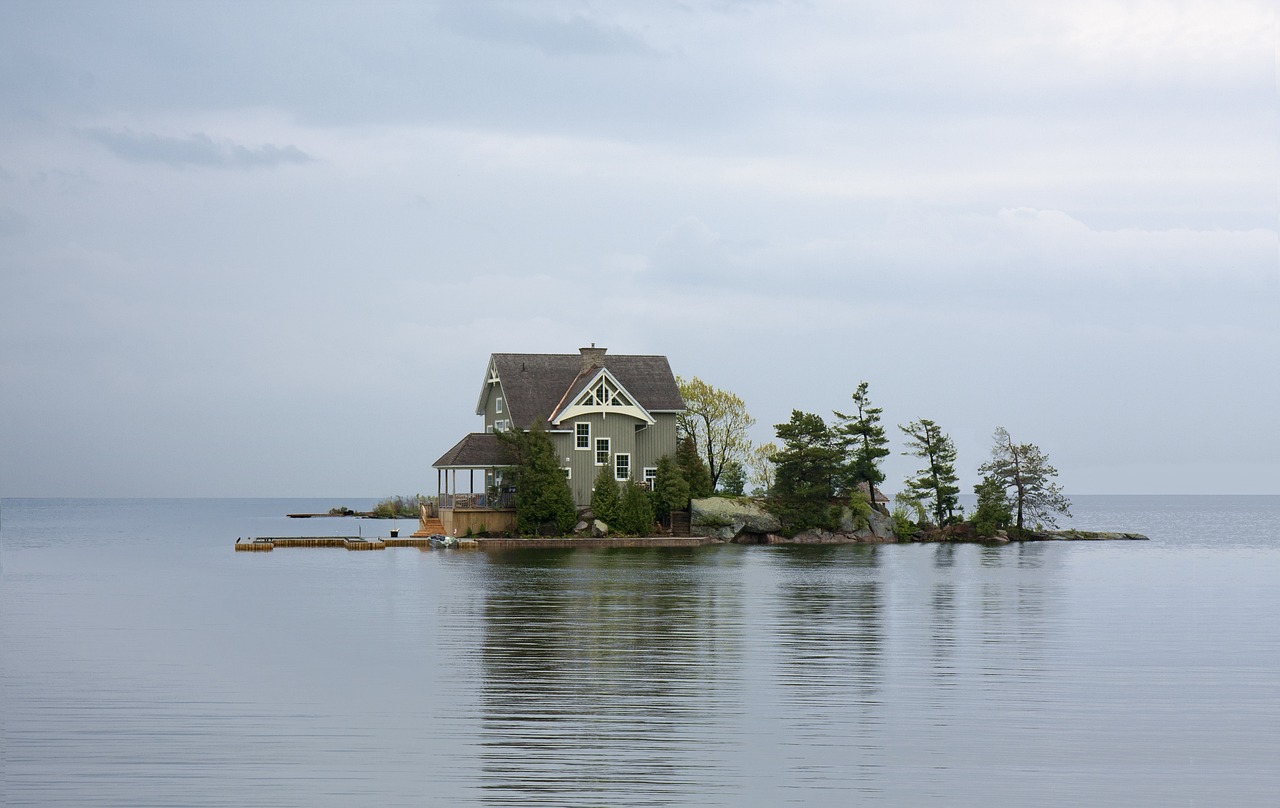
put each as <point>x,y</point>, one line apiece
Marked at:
<point>592,357</point>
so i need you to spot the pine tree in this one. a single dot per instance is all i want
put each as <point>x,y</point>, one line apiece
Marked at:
<point>807,467</point>
<point>635,511</point>
<point>694,468</point>
<point>543,501</point>
<point>993,512</point>
<point>604,497</point>
<point>936,482</point>
<point>733,480</point>
<point>670,488</point>
<point>1024,468</point>
<point>864,442</point>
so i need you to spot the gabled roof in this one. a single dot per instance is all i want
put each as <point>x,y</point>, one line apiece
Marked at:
<point>537,384</point>
<point>475,451</point>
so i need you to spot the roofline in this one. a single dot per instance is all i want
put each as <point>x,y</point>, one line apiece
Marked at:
<point>484,385</point>
<point>552,419</point>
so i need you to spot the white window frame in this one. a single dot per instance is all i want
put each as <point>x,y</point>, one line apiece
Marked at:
<point>617,461</point>
<point>577,435</point>
<point>608,450</point>
<point>568,472</point>
<point>497,405</point>
<point>650,475</point>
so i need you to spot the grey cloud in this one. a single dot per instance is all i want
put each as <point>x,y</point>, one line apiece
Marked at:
<point>575,34</point>
<point>196,149</point>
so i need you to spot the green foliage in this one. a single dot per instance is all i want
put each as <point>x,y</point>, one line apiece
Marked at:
<point>397,507</point>
<point>734,479</point>
<point>937,481</point>
<point>341,510</point>
<point>763,471</point>
<point>605,501</point>
<point>635,511</point>
<point>544,503</point>
<point>717,423</point>
<point>903,527</point>
<point>910,505</point>
<point>863,441</point>
<point>993,512</point>
<point>807,467</point>
<point>1024,468</point>
<point>694,468</point>
<point>670,488</point>
<point>860,507</point>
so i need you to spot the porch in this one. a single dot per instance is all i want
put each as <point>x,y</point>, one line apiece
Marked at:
<point>474,497</point>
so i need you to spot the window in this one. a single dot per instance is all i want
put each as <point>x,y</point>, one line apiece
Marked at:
<point>500,426</point>
<point>568,472</point>
<point>650,474</point>
<point>602,451</point>
<point>582,433</point>
<point>497,405</point>
<point>622,466</point>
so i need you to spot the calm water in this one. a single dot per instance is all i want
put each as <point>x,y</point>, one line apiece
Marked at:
<point>145,663</point>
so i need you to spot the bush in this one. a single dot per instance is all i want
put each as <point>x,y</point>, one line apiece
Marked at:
<point>635,511</point>
<point>604,497</point>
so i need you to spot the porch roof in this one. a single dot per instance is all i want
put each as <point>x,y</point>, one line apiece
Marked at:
<point>479,450</point>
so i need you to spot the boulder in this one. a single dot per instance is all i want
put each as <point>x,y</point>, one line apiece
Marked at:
<point>879,527</point>
<point>581,527</point>
<point>599,528</point>
<point>726,517</point>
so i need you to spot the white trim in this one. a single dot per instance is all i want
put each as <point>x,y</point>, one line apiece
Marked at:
<point>497,406</point>
<point>586,403</point>
<point>617,458</point>
<point>576,435</point>
<point>647,477</point>
<point>568,472</point>
<point>608,450</point>
<point>490,379</point>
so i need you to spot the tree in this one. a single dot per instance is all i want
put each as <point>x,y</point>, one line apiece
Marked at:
<point>693,468</point>
<point>993,512</point>
<point>762,468</point>
<point>806,468</point>
<point>936,482</point>
<point>670,488</point>
<point>543,501</point>
<point>604,497</point>
<point>863,440</point>
<point>635,512</point>
<point>734,479</point>
<point>717,421</point>
<point>1024,468</point>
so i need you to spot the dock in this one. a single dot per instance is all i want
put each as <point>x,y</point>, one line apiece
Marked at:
<point>265,544</point>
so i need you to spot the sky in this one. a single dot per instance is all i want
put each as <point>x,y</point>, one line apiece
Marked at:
<point>265,249</point>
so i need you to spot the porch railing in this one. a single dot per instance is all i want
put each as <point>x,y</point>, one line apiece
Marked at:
<point>479,502</point>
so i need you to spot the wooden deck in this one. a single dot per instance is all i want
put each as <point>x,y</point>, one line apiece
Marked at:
<point>265,544</point>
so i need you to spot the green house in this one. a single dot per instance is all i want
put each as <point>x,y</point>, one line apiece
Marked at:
<point>616,411</point>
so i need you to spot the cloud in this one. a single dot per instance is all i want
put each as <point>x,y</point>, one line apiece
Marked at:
<point>574,34</point>
<point>197,149</point>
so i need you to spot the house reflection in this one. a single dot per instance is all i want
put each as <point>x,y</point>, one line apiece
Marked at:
<point>601,669</point>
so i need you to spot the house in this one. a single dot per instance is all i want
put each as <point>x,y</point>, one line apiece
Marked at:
<point>601,411</point>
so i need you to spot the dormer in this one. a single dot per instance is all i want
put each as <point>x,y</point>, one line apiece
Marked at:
<point>601,394</point>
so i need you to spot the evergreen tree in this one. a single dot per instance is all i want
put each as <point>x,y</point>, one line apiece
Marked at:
<point>543,501</point>
<point>993,512</point>
<point>864,442</point>
<point>694,469</point>
<point>806,470</point>
<point>733,481</point>
<point>1024,468</point>
<point>936,482</point>
<point>604,497</point>
<point>670,488</point>
<point>635,511</point>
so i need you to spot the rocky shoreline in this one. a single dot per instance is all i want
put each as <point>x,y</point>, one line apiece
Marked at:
<point>743,521</point>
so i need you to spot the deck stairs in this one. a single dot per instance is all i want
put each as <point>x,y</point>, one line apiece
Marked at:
<point>680,523</point>
<point>429,526</point>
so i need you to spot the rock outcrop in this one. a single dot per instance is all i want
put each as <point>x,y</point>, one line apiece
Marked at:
<point>727,518</point>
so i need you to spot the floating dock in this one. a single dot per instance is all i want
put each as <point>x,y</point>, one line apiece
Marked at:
<point>265,544</point>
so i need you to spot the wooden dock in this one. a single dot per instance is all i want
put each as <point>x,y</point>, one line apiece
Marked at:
<point>265,544</point>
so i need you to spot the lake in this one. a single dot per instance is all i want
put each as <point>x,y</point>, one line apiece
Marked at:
<point>145,663</point>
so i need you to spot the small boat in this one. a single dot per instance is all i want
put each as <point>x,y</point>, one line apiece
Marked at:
<point>439,540</point>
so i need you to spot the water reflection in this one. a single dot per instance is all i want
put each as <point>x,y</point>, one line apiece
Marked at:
<point>599,670</point>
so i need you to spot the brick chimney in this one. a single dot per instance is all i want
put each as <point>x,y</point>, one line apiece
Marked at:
<point>592,357</point>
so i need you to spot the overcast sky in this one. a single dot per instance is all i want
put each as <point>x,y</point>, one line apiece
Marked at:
<point>266,249</point>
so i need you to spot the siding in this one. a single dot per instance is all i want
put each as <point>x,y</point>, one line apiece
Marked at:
<point>645,447</point>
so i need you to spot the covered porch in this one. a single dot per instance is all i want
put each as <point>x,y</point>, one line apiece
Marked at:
<point>474,496</point>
